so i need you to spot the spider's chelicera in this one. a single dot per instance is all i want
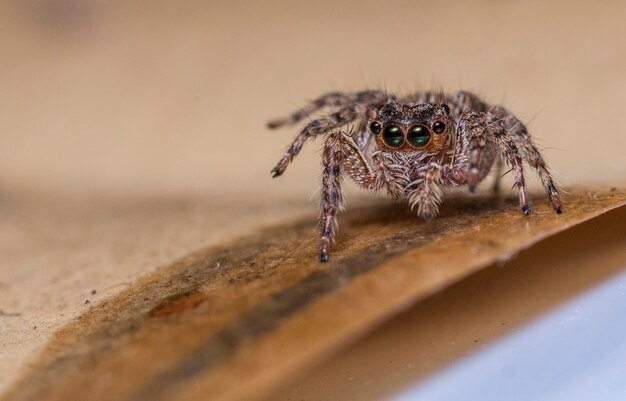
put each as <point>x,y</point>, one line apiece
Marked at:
<point>412,147</point>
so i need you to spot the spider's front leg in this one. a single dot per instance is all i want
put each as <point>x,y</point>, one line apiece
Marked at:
<point>480,136</point>
<point>322,125</point>
<point>341,154</point>
<point>332,197</point>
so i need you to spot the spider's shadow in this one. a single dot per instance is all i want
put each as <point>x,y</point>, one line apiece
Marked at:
<point>388,212</point>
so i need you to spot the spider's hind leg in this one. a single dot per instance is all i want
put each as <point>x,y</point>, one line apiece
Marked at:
<point>328,99</point>
<point>331,99</point>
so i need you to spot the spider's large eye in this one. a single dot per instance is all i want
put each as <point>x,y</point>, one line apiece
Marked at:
<point>418,136</point>
<point>375,127</point>
<point>393,136</point>
<point>439,127</point>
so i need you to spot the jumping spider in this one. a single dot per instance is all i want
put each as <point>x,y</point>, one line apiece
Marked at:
<point>412,147</point>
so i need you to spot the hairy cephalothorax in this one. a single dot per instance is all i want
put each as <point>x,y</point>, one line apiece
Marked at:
<point>412,148</point>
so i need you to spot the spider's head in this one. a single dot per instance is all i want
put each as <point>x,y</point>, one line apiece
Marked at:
<point>412,127</point>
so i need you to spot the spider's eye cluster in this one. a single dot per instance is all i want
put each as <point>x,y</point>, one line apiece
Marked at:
<point>417,136</point>
<point>393,136</point>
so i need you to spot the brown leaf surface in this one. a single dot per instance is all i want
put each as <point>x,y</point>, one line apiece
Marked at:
<point>236,321</point>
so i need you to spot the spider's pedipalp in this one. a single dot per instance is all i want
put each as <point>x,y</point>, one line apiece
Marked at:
<point>428,195</point>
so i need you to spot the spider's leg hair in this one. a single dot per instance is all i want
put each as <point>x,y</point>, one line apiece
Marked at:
<point>332,197</point>
<point>333,100</point>
<point>529,152</point>
<point>487,133</point>
<point>319,126</point>
<point>428,195</point>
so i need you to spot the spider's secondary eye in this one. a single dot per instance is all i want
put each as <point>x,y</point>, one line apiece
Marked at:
<point>418,136</point>
<point>375,127</point>
<point>446,108</point>
<point>393,136</point>
<point>439,127</point>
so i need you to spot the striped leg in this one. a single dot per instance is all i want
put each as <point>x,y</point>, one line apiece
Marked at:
<point>331,99</point>
<point>487,135</point>
<point>322,125</point>
<point>428,195</point>
<point>341,154</point>
<point>529,152</point>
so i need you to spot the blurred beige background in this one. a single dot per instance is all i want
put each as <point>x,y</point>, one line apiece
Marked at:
<point>171,97</point>
<point>133,132</point>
